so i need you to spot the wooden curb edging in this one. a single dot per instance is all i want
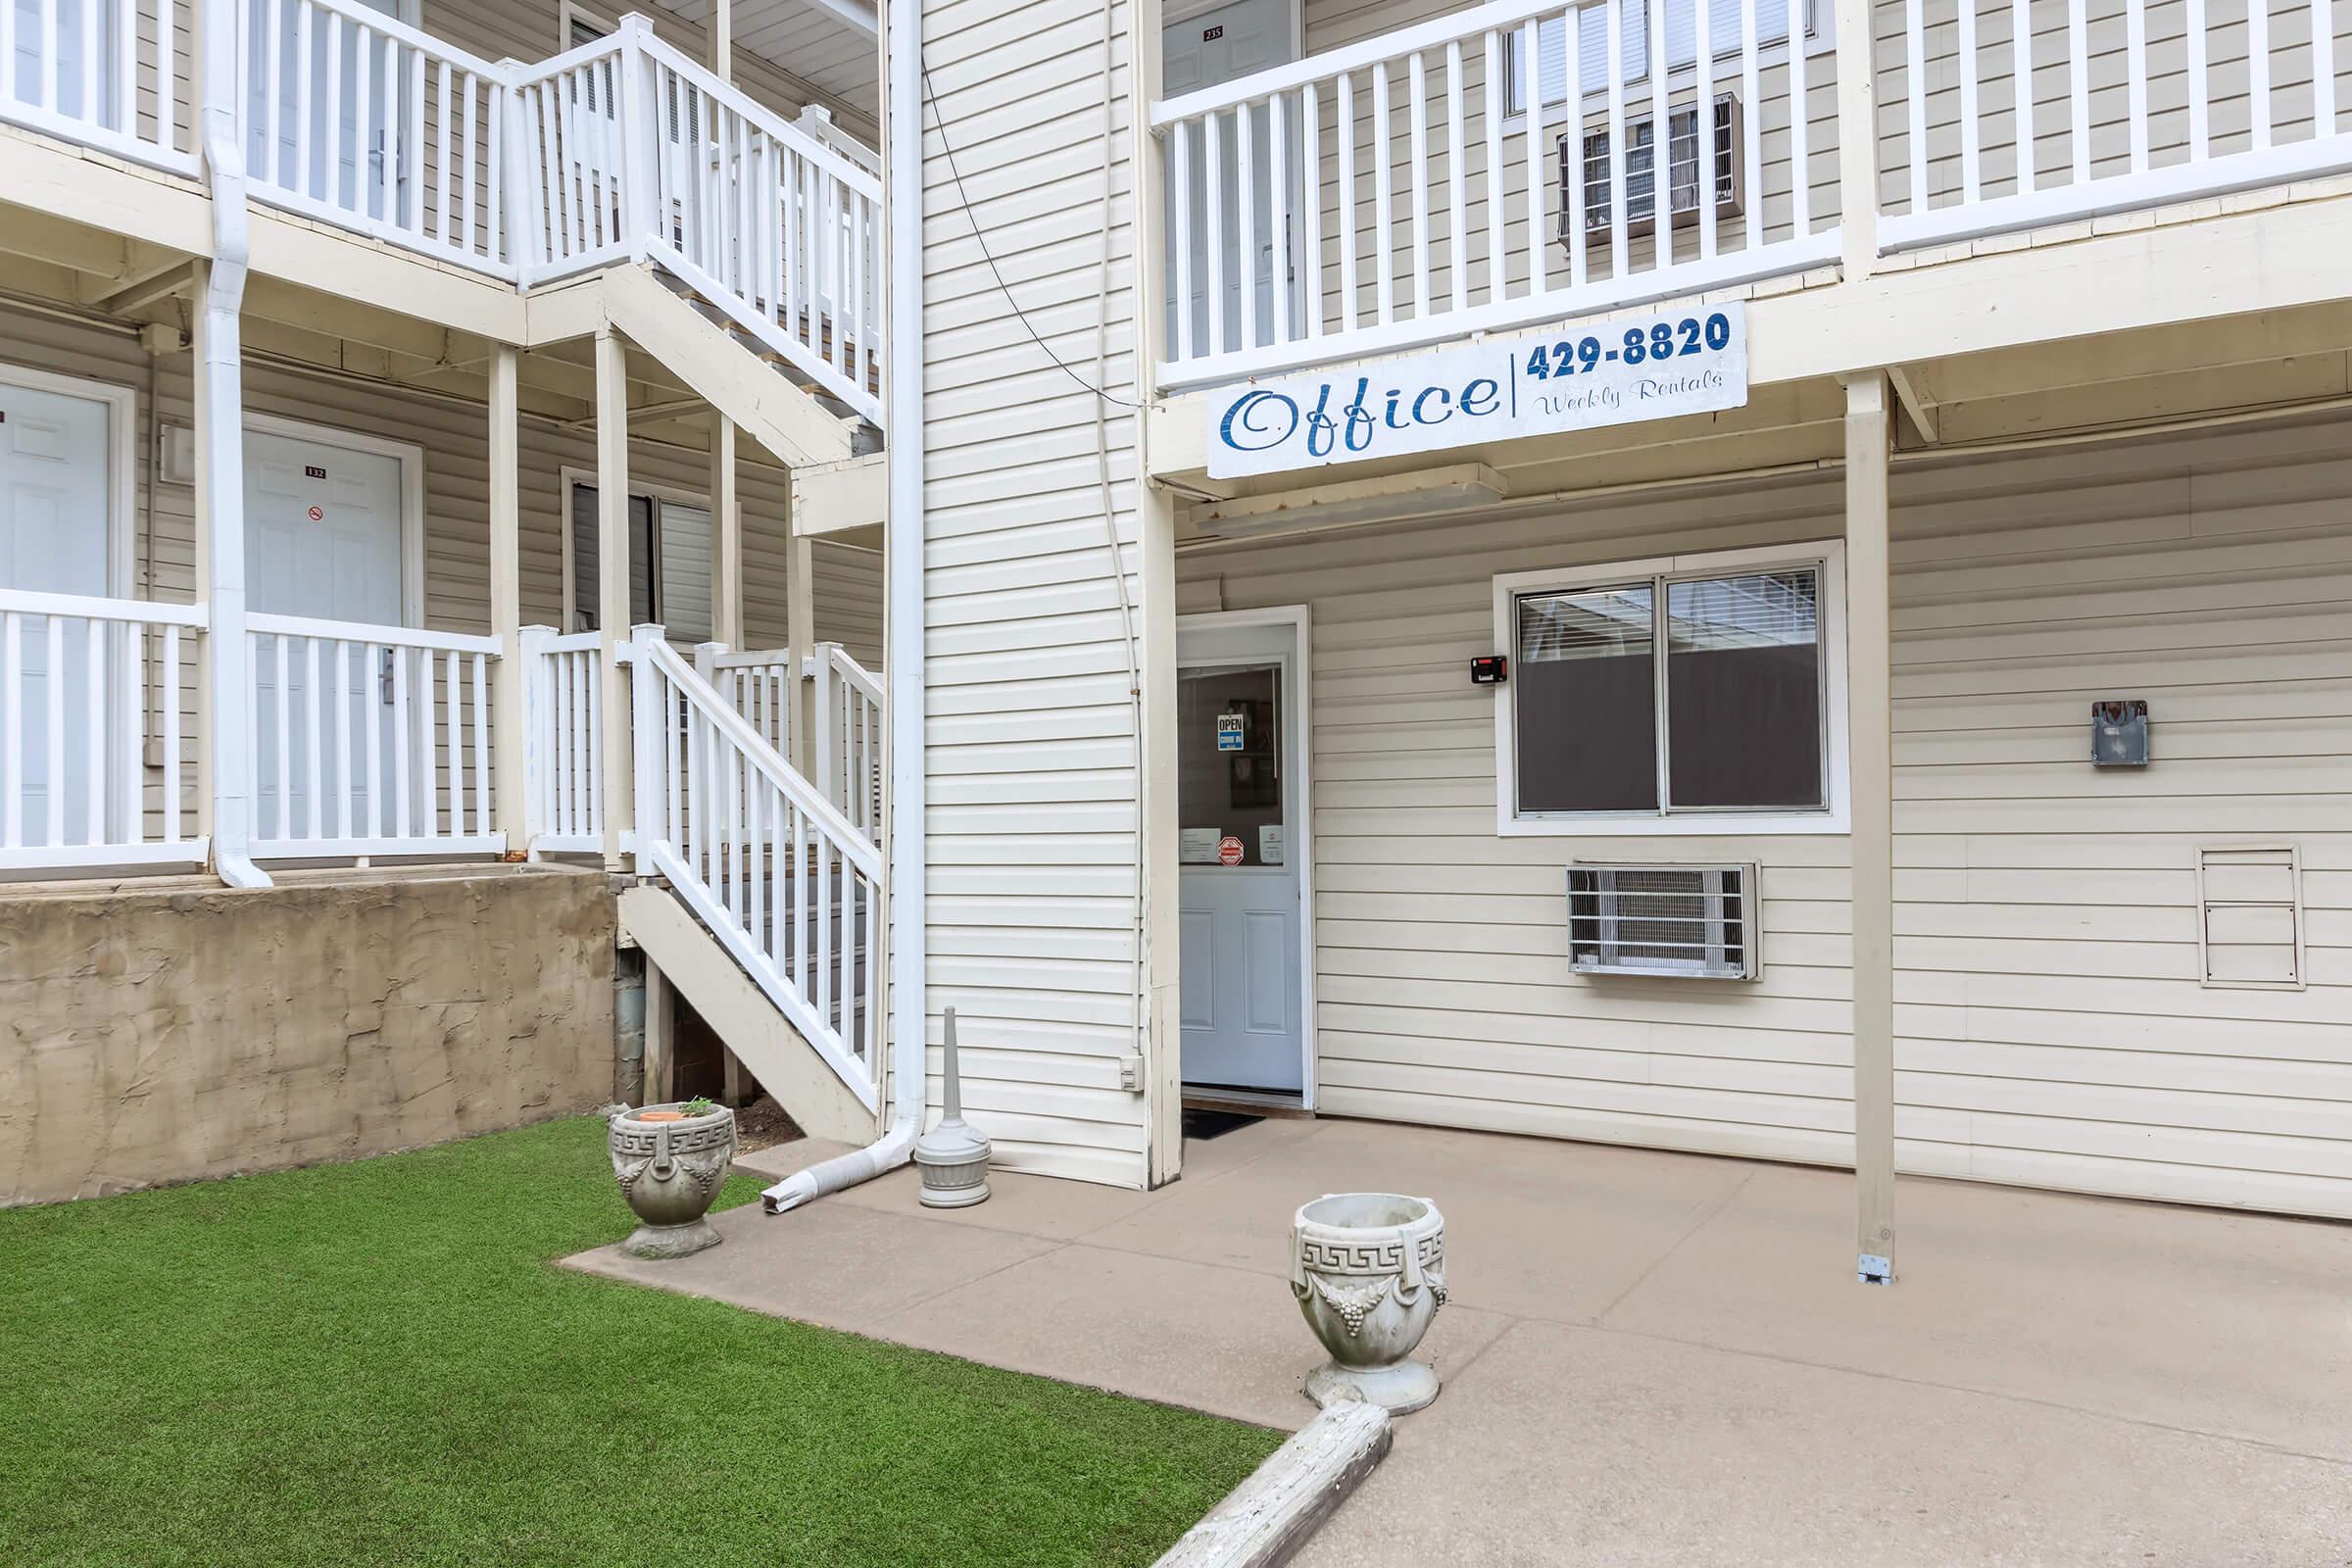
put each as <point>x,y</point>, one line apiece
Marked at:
<point>1269,1516</point>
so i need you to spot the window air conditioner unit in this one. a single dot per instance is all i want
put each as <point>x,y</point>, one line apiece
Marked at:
<point>1689,920</point>
<point>1584,154</point>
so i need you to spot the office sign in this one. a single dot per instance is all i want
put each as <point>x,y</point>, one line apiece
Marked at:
<point>1572,378</point>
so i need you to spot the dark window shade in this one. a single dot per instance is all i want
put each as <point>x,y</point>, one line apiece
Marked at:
<point>1585,686</point>
<point>1743,691</point>
<point>584,600</point>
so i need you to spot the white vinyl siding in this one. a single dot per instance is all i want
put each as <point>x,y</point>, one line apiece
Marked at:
<point>1032,820</point>
<point>2052,1024</point>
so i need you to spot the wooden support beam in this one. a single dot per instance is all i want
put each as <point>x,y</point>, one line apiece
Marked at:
<point>1857,147</point>
<point>1916,409</point>
<point>722,39</point>
<point>508,787</point>
<point>1870,741</point>
<point>612,587</point>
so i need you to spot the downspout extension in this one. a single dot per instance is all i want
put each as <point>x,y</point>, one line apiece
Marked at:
<point>903,566</point>
<point>220,368</point>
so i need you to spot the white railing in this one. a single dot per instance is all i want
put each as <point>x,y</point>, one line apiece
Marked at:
<point>778,229</point>
<point>570,159</point>
<point>564,699</point>
<point>2119,104</point>
<point>89,689</point>
<point>790,886</point>
<point>356,118</point>
<point>370,740</point>
<point>107,74</point>
<point>762,686</point>
<point>1485,170</point>
<point>848,732</point>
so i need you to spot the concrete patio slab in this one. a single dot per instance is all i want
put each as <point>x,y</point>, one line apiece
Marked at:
<point>1570,1446</point>
<point>1657,1357</point>
<point>1180,1332</point>
<point>833,1264</point>
<point>2223,1323</point>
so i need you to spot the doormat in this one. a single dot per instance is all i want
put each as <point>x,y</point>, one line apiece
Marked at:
<point>1201,1123</point>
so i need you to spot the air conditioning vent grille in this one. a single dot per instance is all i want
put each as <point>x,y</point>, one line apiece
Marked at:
<point>1668,920</point>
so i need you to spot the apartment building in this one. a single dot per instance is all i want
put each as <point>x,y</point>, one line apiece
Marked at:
<point>1837,654</point>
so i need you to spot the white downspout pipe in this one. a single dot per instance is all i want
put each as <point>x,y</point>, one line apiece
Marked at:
<point>221,458</point>
<point>910,1011</point>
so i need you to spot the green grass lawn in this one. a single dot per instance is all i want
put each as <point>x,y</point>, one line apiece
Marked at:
<point>375,1363</point>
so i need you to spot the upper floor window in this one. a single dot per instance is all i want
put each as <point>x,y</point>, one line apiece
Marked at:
<point>1724,23</point>
<point>1664,696</point>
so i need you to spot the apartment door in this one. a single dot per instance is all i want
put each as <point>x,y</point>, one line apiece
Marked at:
<point>55,525</point>
<point>322,540</point>
<point>1204,50</point>
<point>348,174</point>
<point>1240,910</point>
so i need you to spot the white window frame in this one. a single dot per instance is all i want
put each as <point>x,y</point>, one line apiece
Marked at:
<point>659,495</point>
<point>1821,38</point>
<point>1829,554</point>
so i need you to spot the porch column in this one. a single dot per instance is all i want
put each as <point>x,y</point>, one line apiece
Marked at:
<point>511,779</point>
<point>726,537</point>
<point>799,633</point>
<point>722,39</point>
<point>612,580</point>
<point>1869,728</point>
<point>225,804</point>
<point>1857,141</point>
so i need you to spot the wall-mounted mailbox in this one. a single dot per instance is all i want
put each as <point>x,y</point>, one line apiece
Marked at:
<point>1492,669</point>
<point>2119,733</point>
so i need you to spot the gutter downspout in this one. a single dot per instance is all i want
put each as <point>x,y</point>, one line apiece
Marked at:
<point>903,566</point>
<point>221,461</point>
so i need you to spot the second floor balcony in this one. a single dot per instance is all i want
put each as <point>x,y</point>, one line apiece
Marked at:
<point>1497,166</point>
<point>618,148</point>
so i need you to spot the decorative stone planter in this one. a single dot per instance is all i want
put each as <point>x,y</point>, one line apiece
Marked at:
<point>669,1171</point>
<point>1369,1272</point>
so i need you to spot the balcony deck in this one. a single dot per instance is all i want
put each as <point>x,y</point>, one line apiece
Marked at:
<point>1441,181</point>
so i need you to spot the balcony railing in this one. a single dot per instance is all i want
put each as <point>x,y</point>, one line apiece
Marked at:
<point>619,150</point>
<point>1504,164</point>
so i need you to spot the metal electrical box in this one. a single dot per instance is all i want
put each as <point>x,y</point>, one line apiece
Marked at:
<point>2119,733</point>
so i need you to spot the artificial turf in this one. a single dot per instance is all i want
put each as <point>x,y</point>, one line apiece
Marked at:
<point>375,1363</point>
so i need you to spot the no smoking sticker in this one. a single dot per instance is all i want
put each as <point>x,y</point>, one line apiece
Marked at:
<point>317,514</point>
<point>1229,851</point>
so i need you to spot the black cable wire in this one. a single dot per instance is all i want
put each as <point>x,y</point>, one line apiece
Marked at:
<point>940,122</point>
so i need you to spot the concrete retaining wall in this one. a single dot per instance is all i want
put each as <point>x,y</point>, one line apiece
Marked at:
<point>179,1030</point>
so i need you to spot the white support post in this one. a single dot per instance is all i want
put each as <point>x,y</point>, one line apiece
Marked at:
<point>1857,139</point>
<point>639,133</point>
<point>726,536</point>
<point>722,39</point>
<point>800,635</point>
<point>511,677</point>
<point>612,579</point>
<point>1870,729</point>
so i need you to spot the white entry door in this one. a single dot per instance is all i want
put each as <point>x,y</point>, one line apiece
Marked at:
<point>54,533</point>
<point>1240,915</point>
<point>322,540</point>
<point>1202,51</point>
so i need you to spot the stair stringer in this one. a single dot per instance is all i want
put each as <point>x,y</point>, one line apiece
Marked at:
<point>763,1041</point>
<point>775,412</point>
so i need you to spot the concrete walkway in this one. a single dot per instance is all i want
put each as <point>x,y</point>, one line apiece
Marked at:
<point>1661,1359</point>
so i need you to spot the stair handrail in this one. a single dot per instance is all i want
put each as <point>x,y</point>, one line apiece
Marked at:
<point>775,125</point>
<point>649,646</point>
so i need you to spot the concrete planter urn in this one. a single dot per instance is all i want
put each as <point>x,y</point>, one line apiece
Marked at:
<point>670,1165</point>
<point>1369,1272</point>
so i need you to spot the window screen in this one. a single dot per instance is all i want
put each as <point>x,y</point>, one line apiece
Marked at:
<point>1734,721</point>
<point>584,591</point>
